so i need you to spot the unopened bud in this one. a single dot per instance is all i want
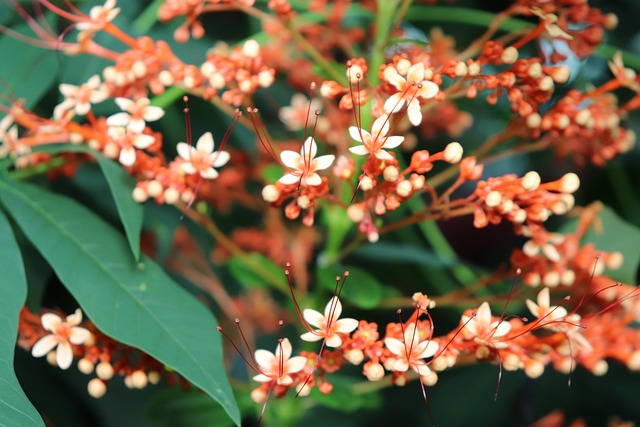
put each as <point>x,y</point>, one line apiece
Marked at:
<point>140,195</point>
<point>493,199</point>
<point>403,188</point>
<point>171,196</point>
<point>139,379</point>
<point>154,188</point>
<point>96,388</point>
<point>390,173</point>
<point>570,183</point>
<point>104,371</point>
<point>509,55</point>
<point>85,366</point>
<point>270,193</point>
<point>373,371</point>
<point>251,49</point>
<point>530,181</point>
<point>453,152</point>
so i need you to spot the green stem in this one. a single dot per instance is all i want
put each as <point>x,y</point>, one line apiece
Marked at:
<point>386,9</point>
<point>37,169</point>
<point>147,18</point>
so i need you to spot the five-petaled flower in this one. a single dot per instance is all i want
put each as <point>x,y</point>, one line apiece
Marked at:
<point>411,352</point>
<point>99,16</point>
<point>411,88</point>
<point>543,310</point>
<point>202,159</point>
<point>278,367</point>
<point>128,142</point>
<point>137,113</point>
<point>483,329</point>
<point>303,166</point>
<point>328,325</point>
<point>63,334</point>
<point>81,97</point>
<point>375,142</point>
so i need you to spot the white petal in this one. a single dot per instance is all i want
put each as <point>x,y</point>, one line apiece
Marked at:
<point>136,126</point>
<point>393,142</point>
<point>265,359</point>
<point>415,74</point>
<point>411,336</point>
<point>64,355</point>
<point>284,380</point>
<point>502,329</point>
<point>533,308</point>
<point>357,133</point>
<point>309,149</point>
<point>380,127</point>
<point>94,81</point>
<point>400,365</point>
<point>394,103</point>
<point>183,151</point>
<point>188,168</point>
<point>68,90</point>
<point>262,378</point>
<point>395,346</point>
<point>323,162</point>
<point>428,90</point>
<point>422,369</point>
<point>544,300</point>
<point>220,158</point>
<point>124,103</point>
<point>333,309</point>
<point>118,119</point>
<point>210,173</point>
<point>152,113</point>
<point>205,143</point>
<point>360,150</point>
<point>289,178</point>
<point>78,335</point>
<point>383,155</point>
<point>313,317</point>
<point>333,341</point>
<point>312,180</point>
<point>429,350</point>
<point>82,108</point>
<point>310,337</point>
<point>50,321</point>
<point>291,159</point>
<point>414,113</point>
<point>143,141</point>
<point>127,156</point>
<point>75,318</point>
<point>393,77</point>
<point>346,325</point>
<point>483,315</point>
<point>44,345</point>
<point>285,346</point>
<point>295,364</point>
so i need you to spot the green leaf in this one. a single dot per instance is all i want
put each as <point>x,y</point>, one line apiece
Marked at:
<point>28,70</point>
<point>121,185</point>
<point>174,407</point>
<point>137,304</point>
<point>361,288</point>
<point>15,408</point>
<point>617,235</point>
<point>243,269</point>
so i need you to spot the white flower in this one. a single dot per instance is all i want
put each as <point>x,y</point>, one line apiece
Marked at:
<point>483,329</point>
<point>202,159</point>
<point>294,117</point>
<point>543,310</point>
<point>375,142</point>
<point>278,366</point>
<point>411,352</point>
<point>328,325</point>
<point>63,335</point>
<point>303,166</point>
<point>80,98</point>
<point>99,16</point>
<point>128,141</point>
<point>409,90</point>
<point>137,113</point>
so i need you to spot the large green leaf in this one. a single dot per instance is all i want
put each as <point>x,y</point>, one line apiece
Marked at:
<point>616,235</point>
<point>361,289</point>
<point>120,184</point>
<point>137,304</point>
<point>174,407</point>
<point>28,70</point>
<point>15,408</point>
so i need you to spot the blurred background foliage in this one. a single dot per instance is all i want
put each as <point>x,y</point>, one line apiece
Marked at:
<point>403,262</point>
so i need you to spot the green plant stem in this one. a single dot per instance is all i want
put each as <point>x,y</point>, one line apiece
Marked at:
<point>386,9</point>
<point>39,169</point>
<point>148,18</point>
<point>210,226</point>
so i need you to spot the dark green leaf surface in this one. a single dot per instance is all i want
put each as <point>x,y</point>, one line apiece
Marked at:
<point>137,304</point>
<point>121,186</point>
<point>243,270</point>
<point>15,408</point>
<point>174,407</point>
<point>361,289</point>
